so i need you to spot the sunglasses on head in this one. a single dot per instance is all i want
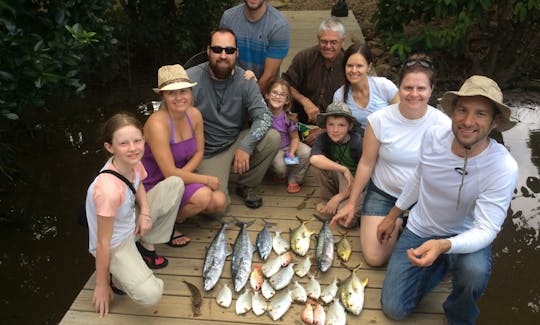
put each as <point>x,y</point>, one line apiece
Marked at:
<point>424,63</point>
<point>219,49</point>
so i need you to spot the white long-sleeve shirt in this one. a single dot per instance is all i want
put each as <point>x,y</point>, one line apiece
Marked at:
<point>487,190</point>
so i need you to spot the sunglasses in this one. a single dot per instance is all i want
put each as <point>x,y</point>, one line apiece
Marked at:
<point>219,49</point>
<point>422,62</point>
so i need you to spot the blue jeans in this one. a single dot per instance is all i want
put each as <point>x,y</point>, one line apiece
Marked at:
<point>405,284</point>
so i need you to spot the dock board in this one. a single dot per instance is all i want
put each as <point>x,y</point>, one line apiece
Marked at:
<point>279,207</point>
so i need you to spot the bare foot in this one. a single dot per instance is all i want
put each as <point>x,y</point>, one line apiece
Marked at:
<point>321,207</point>
<point>179,239</point>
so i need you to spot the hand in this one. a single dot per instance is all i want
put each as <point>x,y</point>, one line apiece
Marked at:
<point>290,154</point>
<point>212,182</point>
<point>385,229</point>
<point>332,205</point>
<point>144,224</point>
<point>250,75</point>
<point>349,178</point>
<point>312,136</point>
<point>345,214</point>
<point>241,161</point>
<point>311,111</point>
<point>428,252</point>
<point>102,297</point>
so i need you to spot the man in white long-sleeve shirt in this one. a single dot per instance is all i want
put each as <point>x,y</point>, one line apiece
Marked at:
<point>462,187</point>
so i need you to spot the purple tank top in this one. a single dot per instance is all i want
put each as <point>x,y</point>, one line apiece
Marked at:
<point>182,152</point>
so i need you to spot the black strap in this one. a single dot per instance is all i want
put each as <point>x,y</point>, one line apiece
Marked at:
<point>117,174</point>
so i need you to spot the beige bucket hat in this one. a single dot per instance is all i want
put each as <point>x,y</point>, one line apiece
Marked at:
<point>480,86</point>
<point>172,77</point>
<point>335,109</point>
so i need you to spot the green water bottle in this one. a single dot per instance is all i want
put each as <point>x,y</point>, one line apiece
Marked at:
<point>304,130</point>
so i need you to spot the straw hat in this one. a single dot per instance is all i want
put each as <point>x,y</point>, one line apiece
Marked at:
<point>480,86</point>
<point>172,77</point>
<point>336,109</point>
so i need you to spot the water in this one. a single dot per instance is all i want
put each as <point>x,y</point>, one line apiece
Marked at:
<point>44,260</point>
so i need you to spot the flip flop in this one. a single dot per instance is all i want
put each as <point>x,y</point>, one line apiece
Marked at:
<point>293,188</point>
<point>173,238</point>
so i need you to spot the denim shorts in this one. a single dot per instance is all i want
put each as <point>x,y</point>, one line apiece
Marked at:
<point>375,203</point>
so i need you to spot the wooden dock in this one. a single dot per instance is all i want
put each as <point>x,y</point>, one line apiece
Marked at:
<point>278,207</point>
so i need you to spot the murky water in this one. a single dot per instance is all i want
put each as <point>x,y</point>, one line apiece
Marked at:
<point>43,256</point>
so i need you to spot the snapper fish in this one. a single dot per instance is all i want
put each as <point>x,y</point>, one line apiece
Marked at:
<point>352,292</point>
<point>242,257</point>
<point>344,248</point>
<point>279,305</point>
<point>328,294</point>
<point>243,303</point>
<point>307,313</point>
<point>319,316</point>
<point>215,258</point>
<point>336,314</point>
<point>302,268</point>
<point>279,244</point>
<point>282,279</point>
<point>258,304</point>
<point>264,241</point>
<point>224,296</point>
<point>300,237</point>
<point>256,278</point>
<point>267,290</point>
<point>324,253</point>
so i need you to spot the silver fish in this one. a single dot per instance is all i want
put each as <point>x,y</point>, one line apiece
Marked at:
<point>258,304</point>
<point>279,305</point>
<point>302,268</point>
<point>298,293</point>
<point>273,265</point>
<point>324,253</point>
<point>264,241</point>
<point>242,256</point>
<point>329,292</point>
<point>215,258</point>
<point>267,290</point>
<point>300,237</point>
<point>282,279</point>
<point>224,296</point>
<point>279,244</point>
<point>313,288</point>
<point>352,292</point>
<point>243,303</point>
<point>336,314</point>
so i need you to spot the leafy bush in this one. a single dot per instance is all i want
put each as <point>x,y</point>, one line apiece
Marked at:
<point>488,33</point>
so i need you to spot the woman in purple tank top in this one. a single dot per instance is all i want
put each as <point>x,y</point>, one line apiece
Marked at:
<point>174,147</point>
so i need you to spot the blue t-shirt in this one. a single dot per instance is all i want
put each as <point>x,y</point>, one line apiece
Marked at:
<point>268,37</point>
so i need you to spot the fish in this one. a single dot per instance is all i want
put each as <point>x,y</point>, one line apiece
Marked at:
<point>267,290</point>
<point>313,288</point>
<point>300,237</point>
<point>319,316</point>
<point>302,268</point>
<point>258,304</point>
<point>279,244</point>
<point>282,279</point>
<point>298,293</point>
<point>273,265</point>
<point>279,305</point>
<point>196,298</point>
<point>264,241</point>
<point>307,313</point>
<point>343,248</point>
<point>215,258</point>
<point>224,296</point>
<point>243,303</point>
<point>329,292</point>
<point>336,314</point>
<point>324,253</point>
<point>352,292</point>
<point>242,257</point>
<point>256,278</point>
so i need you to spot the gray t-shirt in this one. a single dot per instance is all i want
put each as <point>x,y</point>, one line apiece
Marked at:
<point>227,106</point>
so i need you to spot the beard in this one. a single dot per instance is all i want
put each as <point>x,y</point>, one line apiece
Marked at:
<point>221,72</point>
<point>250,7</point>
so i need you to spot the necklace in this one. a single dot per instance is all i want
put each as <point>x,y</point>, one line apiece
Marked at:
<point>220,87</point>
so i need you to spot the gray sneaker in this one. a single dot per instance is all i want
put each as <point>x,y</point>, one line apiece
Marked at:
<point>251,199</point>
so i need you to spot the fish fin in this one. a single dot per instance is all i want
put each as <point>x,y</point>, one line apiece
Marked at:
<point>364,282</point>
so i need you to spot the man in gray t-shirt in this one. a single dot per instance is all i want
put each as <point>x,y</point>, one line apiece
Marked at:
<point>228,103</point>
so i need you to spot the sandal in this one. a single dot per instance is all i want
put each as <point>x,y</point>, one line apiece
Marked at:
<point>151,258</point>
<point>293,188</point>
<point>173,238</point>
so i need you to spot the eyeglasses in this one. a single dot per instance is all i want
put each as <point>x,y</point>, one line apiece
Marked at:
<point>219,49</point>
<point>424,63</point>
<point>278,94</point>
